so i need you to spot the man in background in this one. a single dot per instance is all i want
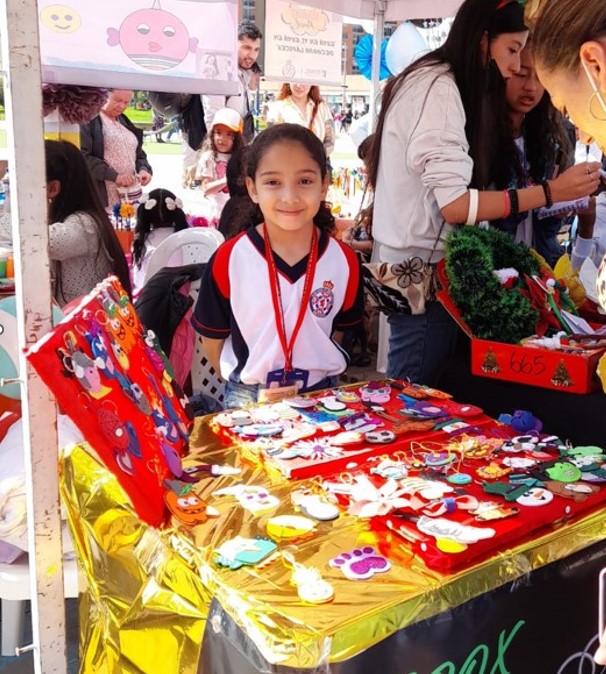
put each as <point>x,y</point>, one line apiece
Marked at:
<point>249,46</point>
<point>196,112</point>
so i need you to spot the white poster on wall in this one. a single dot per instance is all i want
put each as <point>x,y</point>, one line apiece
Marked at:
<point>302,44</point>
<point>184,46</point>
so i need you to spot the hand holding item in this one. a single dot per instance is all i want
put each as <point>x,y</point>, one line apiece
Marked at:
<point>144,177</point>
<point>578,181</point>
<point>125,179</point>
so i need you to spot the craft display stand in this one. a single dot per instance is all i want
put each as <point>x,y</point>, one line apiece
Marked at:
<point>162,582</point>
<point>153,577</point>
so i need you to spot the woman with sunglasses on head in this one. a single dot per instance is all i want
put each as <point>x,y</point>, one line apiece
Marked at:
<point>433,161</point>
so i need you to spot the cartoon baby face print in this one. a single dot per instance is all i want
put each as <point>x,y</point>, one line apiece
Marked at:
<point>153,38</point>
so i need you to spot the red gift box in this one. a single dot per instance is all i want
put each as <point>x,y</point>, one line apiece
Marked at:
<point>546,368</point>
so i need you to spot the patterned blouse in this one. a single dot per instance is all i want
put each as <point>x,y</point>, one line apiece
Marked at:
<point>120,152</point>
<point>78,264</point>
<point>287,111</point>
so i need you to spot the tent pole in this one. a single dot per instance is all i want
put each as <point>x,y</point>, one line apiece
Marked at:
<point>380,9</point>
<point>23,106</point>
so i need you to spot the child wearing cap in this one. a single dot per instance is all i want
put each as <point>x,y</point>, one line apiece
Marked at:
<point>224,138</point>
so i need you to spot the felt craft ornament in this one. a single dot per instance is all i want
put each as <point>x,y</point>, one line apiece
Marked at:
<point>287,527</point>
<point>312,450</point>
<point>370,501</point>
<point>311,587</point>
<point>361,563</point>
<point>445,529</point>
<point>256,500</point>
<point>491,311</point>
<point>240,551</point>
<point>187,507</point>
<point>391,469</point>
<point>314,505</point>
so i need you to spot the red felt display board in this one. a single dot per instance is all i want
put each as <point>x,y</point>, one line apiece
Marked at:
<point>110,377</point>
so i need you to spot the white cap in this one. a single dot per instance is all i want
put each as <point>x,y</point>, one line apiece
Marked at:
<point>229,118</point>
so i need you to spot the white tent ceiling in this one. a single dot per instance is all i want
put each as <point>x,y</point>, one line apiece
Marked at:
<point>395,10</point>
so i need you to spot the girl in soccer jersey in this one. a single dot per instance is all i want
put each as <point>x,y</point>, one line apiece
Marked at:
<point>274,299</point>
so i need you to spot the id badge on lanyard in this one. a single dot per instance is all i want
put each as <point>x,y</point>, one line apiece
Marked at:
<point>287,381</point>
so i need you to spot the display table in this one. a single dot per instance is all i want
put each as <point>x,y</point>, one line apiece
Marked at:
<point>577,417</point>
<point>154,590</point>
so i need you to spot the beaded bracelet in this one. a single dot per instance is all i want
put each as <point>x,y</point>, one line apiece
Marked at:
<point>547,191</point>
<point>515,204</point>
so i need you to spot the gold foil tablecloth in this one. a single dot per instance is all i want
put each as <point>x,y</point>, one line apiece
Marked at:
<point>149,590</point>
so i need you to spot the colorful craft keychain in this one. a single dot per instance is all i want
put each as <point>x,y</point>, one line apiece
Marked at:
<point>370,501</point>
<point>314,505</point>
<point>311,587</point>
<point>361,563</point>
<point>256,500</point>
<point>187,507</point>
<point>287,527</point>
<point>240,551</point>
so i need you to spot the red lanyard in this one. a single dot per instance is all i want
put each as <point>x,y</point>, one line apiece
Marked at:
<point>276,295</point>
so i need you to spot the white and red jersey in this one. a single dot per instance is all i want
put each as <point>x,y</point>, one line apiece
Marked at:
<point>235,304</point>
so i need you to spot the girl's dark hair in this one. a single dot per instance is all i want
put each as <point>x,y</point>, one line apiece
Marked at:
<point>65,163</point>
<point>365,148</point>
<point>482,88</point>
<point>562,28</point>
<point>235,173</point>
<point>291,133</point>
<point>313,94</point>
<point>545,140</point>
<point>155,217</point>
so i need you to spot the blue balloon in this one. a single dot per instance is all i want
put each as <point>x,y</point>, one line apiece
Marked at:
<point>363,57</point>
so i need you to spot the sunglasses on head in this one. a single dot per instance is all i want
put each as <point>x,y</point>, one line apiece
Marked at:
<point>504,3</point>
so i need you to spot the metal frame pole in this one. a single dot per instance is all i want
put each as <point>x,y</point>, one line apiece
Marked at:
<point>23,106</point>
<point>380,9</point>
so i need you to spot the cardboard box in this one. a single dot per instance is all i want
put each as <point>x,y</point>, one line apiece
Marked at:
<point>546,368</point>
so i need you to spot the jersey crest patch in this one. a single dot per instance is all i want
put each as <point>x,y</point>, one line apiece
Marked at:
<point>322,300</point>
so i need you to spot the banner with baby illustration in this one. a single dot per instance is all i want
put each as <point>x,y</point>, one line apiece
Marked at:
<point>302,44</point>
<point>182,46</point>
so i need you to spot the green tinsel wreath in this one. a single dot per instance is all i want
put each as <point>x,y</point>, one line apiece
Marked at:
<point>491,311</point>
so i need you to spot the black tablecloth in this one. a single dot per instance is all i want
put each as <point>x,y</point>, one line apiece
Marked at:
<point>543,623</point>
<point>580,418</point>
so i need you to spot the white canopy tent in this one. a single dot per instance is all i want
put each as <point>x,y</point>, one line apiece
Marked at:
<point>386,10</point>
<point>19,39</point>
<point>392,10</point>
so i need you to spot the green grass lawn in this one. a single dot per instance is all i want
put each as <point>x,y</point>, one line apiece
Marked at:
<point>151,147</point>
<point>142,117</point>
